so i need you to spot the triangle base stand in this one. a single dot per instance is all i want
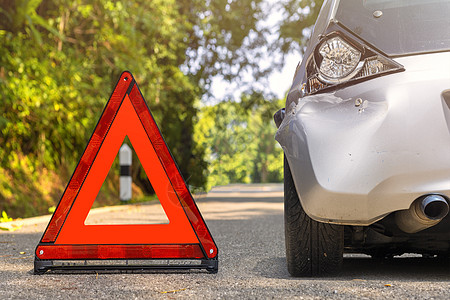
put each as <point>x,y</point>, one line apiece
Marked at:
<point>123,265</point>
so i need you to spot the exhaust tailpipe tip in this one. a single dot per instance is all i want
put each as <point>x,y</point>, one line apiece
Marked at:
<point>434,207</point>
<point>423,213</point>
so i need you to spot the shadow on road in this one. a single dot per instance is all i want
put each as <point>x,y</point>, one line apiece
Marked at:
<point>409,269</point>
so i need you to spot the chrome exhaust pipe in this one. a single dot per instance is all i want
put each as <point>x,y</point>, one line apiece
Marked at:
<point>424,212</point>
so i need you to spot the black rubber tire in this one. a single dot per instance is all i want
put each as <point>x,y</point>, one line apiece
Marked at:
<point>312,248</point>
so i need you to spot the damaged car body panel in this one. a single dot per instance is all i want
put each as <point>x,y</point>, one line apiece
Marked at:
<point>366,134</point>
<point>362,152</point>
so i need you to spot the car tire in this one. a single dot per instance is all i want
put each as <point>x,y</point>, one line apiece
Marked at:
<point>312,248</point>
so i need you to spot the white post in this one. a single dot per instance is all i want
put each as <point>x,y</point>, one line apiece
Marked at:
<point>125,155</point>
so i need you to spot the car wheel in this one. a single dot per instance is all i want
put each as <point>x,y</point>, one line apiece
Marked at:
<point>312,248</point>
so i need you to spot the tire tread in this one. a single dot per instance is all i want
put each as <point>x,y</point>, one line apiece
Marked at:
<point>312,248</point>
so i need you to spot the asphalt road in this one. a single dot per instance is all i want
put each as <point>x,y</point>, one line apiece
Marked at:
<point>246,222</point>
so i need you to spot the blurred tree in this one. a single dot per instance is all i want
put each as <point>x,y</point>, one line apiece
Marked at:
<point>59,60</point>
<point>225,39</point>
<point>240,42</point>
<point>295,27</point>
<point>267,157</point>
<point>238,141</point>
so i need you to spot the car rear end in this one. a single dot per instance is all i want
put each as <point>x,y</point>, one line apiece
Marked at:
<point>366,128</point>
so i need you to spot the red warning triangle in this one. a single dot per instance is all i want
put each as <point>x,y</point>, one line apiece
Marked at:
<point>67,237</point>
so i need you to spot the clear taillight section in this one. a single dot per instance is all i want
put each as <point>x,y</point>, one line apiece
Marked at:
<point>339,59</point>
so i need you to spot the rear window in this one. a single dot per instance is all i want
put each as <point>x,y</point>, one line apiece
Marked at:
<point>404,27</point>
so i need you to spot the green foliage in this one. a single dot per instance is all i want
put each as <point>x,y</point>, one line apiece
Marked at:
<point>60,59</point>
<point>238,138</point>
<point>8,227</point>
<point>228,35</point>
<point>5,218</point>
<point>22,15</point>
<point>299,18</point>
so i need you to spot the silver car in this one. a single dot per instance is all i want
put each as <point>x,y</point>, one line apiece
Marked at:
<point>366,135</point>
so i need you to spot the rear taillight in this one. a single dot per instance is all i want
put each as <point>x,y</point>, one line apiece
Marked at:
<point>338,60</point>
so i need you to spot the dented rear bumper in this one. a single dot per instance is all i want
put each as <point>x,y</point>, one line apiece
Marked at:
<point>369,149</point>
